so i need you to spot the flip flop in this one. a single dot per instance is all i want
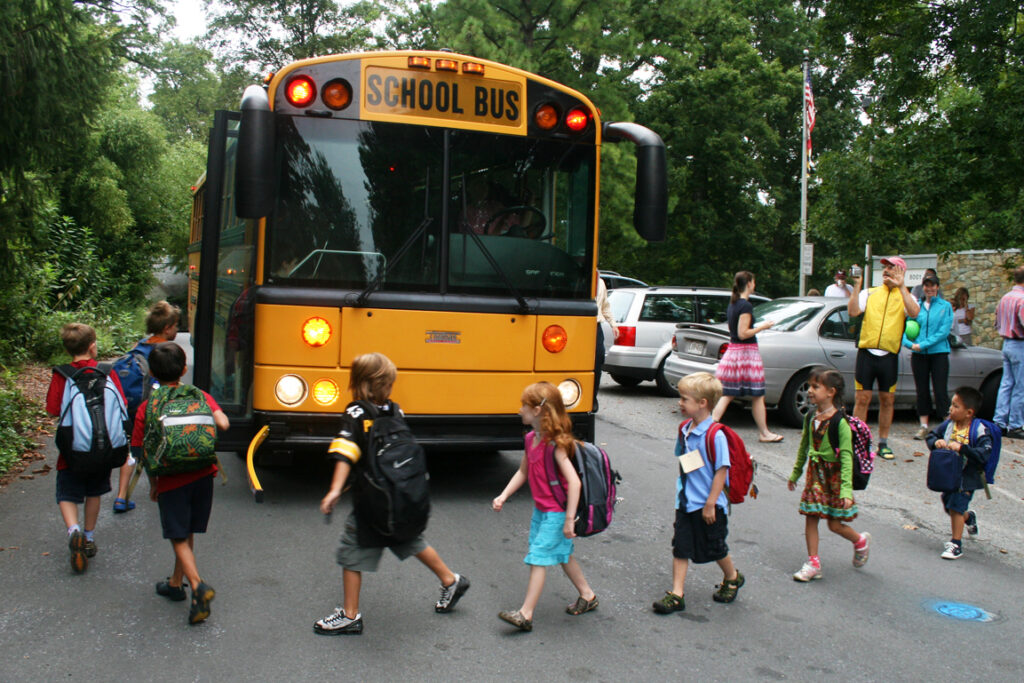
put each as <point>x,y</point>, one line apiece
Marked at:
<point>775,439</point>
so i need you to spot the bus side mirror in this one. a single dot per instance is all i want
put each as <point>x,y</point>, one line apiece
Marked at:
<point>650,199</point>
<point>254,164</point>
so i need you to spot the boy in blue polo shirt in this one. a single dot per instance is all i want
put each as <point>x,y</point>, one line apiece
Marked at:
<point>701,525</point>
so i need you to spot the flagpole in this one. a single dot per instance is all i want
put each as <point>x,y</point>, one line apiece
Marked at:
<point>803,173</point>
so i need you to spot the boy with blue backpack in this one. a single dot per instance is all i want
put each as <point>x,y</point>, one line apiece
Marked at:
<point>91,437</point>
<point>973,443</point>
<point>175,437</point>
<point>137,382</point>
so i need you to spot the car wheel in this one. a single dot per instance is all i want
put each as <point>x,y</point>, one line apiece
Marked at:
<point>795,403</point>
<point>989,394</point>
<point>665,388</point>
<point>626,380</point>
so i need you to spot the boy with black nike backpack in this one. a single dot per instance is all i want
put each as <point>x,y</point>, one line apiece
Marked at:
<point>91,436</point>
<point>376,453</point>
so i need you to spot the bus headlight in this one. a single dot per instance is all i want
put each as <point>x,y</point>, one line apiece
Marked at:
<point>571,392</point>
<point>325,392</point>
<point>290,390</point>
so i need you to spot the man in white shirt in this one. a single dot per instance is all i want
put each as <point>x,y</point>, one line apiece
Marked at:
<point>839,288</point>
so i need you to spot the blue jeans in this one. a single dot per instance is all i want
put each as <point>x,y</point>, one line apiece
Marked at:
<point>1010,403</point>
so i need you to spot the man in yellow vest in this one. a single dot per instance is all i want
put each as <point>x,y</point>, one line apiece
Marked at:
<point>885,310</point>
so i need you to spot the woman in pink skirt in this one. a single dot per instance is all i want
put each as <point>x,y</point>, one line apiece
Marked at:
<point>741,371</point>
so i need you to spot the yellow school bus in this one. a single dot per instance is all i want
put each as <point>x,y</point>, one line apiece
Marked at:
<point>435,207</point>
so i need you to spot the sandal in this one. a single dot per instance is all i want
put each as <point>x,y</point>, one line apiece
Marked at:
<point>727,590</point>
<point>516,619</point>
<point>774,438</point>
<point>581,605</point>
<point>123,505</point>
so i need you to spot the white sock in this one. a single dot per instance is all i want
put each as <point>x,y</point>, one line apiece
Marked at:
<point>73,528</point>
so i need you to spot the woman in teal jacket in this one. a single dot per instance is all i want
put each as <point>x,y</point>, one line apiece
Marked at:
<point>930,358</point>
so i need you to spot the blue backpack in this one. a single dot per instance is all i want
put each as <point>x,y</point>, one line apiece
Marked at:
<point>133,371</point>
<point>92,429</point>
<point>997,444</point>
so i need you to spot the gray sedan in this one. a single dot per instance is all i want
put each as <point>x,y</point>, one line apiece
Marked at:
<point>812,331</point>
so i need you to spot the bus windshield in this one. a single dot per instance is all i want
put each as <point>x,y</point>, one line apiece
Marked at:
<point>363,202</point>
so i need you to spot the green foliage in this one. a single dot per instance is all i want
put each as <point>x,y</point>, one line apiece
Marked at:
<point>17,416</point>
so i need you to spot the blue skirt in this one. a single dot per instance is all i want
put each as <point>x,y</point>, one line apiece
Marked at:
<point>548,544</point>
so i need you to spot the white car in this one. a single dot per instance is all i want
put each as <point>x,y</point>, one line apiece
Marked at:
<point>647,319</point>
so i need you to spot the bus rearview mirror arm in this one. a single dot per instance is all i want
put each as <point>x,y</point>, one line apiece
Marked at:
<point>254,165</point>
<point>650,199</point>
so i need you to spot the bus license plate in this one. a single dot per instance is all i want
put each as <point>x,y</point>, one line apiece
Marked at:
<point>695,347</point>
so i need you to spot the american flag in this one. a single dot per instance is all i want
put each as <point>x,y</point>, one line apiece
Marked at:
<point>809,113</point>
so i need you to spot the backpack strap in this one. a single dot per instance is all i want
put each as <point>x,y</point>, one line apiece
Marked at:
<point>709,442</point>
<point>551,475</point>
<point>833,429</point>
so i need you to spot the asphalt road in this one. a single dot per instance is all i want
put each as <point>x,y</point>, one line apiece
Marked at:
<point>272,566</point>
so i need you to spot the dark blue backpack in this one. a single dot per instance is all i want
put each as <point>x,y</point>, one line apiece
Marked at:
<point>133,371</point>
<point>997,444</point>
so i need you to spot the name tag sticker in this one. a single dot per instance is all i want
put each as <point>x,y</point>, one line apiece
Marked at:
<point>691,461</point>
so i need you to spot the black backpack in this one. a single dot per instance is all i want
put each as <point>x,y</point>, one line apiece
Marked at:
<point>92,429</point>
<point>392,497</point>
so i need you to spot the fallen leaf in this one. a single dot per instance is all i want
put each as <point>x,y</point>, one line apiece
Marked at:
<point>1003,551</point>
<point>42,470</point>
<point>27,476</point>
<point>909,527</point>
<point>918,454</point>
<point>46,554</point>
<point>909,460</point>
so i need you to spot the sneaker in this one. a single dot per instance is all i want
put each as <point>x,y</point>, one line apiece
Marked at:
<point>808,572</point>
<point>451,594</point>
<point>952,551</point>
<point>202,595</point>
<point>971,523</point>
<point>860,557</point>
<point>727,590</point>
<point>79,558</point>
<point>90,548</point>
<point>175,593</point>
<point>337,624</point>
<point>670,603</point>
<point>1015,433</point>
<point>921,433</point>
<point>885,452</point>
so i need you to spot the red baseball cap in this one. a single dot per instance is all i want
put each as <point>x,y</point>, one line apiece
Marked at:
<point>894,261</point>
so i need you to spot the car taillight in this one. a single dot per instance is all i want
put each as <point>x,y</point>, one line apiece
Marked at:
<point>722,349</point>
<point>625,336</point>
<point>675,346</point>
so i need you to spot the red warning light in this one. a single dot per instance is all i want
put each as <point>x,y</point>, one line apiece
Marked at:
<point>300,91</point>
<point>577,119</point>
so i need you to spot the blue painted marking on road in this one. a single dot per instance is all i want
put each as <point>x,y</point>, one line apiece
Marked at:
<point>962,611</point>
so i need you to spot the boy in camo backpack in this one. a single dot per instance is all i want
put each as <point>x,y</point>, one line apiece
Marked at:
<point>185,498</point>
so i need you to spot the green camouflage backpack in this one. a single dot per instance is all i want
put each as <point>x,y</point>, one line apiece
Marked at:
<point>180,435</point>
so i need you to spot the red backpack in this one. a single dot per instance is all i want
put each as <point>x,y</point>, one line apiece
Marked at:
<point>741,466</point>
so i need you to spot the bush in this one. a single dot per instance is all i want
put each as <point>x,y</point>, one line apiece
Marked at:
<point>17,416</point>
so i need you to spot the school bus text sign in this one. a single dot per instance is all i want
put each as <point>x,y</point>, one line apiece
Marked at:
<point>468,99</point>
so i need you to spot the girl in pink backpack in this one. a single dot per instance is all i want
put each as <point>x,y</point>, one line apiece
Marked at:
<point>828,486</point>
<point>551,529</point>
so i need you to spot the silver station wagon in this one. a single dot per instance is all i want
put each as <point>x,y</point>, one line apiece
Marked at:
<point>647,319</point>
<point>812,331</point>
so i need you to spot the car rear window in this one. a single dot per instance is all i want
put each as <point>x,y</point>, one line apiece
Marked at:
<point>620,302</point>
<point>788,314</point>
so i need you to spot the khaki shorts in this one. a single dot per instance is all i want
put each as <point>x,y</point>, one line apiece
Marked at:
<point>357,558</point>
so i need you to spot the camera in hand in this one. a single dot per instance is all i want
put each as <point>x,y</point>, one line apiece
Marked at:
<point>855,271</point>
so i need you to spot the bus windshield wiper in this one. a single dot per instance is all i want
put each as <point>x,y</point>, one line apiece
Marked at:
<point>377,281</point>
<point>523,306</point>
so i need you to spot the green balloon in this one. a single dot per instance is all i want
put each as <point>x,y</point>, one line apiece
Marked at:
<point>913,329</point>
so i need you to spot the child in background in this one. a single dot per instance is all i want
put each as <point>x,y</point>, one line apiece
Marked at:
<point>828,487</point>
<point>372,378</point>
<point>701,525</point>
<point>185,499</point>
<point>72,488</point>
<point>954,434</point>
<point>551,528</point>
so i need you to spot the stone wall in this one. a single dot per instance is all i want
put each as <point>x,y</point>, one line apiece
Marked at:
<point>987,276</point>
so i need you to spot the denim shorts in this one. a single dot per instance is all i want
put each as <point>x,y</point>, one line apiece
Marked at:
<point>186,510</point>
<point>75,488</point>
<point>957,501</point>
<point>360,558</point>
